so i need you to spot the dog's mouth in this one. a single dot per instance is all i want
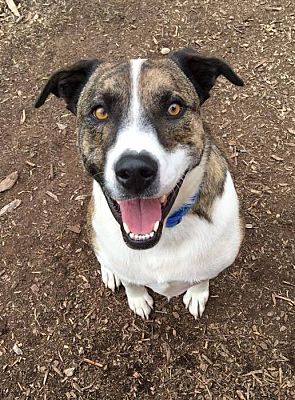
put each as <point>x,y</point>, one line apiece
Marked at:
<point>142,219</point>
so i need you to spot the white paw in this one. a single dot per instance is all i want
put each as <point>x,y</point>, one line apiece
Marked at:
<point>196,297</point>
<point>110,280</point>
<point>141,304</point>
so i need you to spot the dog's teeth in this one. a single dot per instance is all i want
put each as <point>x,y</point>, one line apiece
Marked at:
<point>163,199</point>
<point>156,226</point>
<point>146,236</point>
<point>127,230</point>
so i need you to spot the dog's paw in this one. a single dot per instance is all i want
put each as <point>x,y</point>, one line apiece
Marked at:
<point>141,303</point>
<point>196,297</point>
<point>110,280</point>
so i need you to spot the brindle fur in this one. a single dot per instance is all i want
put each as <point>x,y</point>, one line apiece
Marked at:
<point>212,184</point>
<point>111,80</point>
<point>89,228</point>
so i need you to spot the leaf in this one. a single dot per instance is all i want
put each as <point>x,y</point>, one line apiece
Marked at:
<point>17,350</point>
<point>9,181</point>
<point>10,207</point>
<point>74,228</point>
<point>61,126</point>
<point>12,7</point>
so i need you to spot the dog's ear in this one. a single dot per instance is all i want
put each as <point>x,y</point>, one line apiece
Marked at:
<point>203,71</point>
<point>68,83</point>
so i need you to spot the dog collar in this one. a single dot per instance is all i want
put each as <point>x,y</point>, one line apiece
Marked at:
<point>175,218</point>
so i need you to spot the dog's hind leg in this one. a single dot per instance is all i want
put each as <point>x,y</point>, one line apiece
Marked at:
<point>139,300</point>
<point>196,297</point>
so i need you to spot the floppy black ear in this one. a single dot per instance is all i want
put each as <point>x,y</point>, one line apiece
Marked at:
<point>68,83</point>
<point>203,71</point>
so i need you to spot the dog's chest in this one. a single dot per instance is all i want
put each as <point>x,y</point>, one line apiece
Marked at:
<point>170,289</point>
<point>192,251</point>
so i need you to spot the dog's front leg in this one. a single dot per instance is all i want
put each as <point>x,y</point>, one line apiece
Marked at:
<point>196,297</point>
<point>110,279</point>
<point>139,300</point>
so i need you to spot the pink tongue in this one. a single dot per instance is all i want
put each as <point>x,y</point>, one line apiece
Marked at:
<point>140,214</point>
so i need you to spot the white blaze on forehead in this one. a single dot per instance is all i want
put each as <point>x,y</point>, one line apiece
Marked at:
<point>135,109</point>
<point>137,134</point>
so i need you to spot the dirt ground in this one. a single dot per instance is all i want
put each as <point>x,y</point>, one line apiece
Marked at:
<point>62,334</point>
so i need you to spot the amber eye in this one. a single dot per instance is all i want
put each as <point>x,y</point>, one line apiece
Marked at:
<point>100,113</point>
<point>174,110</point>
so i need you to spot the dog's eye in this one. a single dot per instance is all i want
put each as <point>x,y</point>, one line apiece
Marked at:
<point>100,113</point>
<point>174,110</point>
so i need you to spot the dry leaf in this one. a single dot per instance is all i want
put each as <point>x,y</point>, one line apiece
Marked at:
<point>75,228</point>
<point>10,207</point>
<point>9,181</point>
<point>17,350</point>
<point>165,50</point>
<point>12,7</point>
<point>61,126</point>
<point>69,372</point>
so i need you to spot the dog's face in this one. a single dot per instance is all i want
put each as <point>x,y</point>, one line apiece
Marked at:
<point>140,131</point>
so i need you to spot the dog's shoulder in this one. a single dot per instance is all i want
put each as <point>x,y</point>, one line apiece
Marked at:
<point>213,182</point>
<point>89,226</point>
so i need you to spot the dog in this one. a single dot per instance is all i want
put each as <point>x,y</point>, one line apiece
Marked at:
<point>164,212</point>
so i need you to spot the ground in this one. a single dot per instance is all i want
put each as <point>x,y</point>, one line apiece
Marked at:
<point>62,334</point>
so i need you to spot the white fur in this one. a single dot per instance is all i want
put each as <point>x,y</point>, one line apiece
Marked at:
<point>191,252</point>
<point>137,136</point>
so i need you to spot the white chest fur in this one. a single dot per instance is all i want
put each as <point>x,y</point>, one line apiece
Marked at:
<point>193,251</point>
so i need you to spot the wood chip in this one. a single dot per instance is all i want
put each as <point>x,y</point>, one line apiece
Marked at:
<point>10,207</point>
<point>12,7</point>
<point>9,181</point>
<point>51,172</point>
<point>240,395</point>
<point>248,226</point>
<point>274,157</point>
<point>52,195</point>
<point>23,117</point>
<point>97,364</point>
<point>30,164</point>
<point>57,370</point>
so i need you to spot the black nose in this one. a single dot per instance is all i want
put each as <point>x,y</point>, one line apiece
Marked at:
<point>136,172</point>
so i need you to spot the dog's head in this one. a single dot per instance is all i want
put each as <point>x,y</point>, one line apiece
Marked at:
<point>140,130</point>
